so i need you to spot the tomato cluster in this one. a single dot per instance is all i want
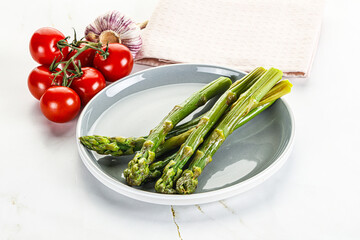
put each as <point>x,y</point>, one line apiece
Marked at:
<point>70,75</point>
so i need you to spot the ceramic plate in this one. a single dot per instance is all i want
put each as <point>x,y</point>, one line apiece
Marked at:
<point>133,106</point>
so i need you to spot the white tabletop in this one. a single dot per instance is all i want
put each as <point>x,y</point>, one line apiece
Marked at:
<point>47,193</point>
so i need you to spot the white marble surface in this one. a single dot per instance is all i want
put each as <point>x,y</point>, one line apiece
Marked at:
<point>47,193</point>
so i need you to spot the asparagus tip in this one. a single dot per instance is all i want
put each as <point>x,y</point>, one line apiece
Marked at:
<point>165,184</point>
<point>187,183</point>
<point>137,172</point>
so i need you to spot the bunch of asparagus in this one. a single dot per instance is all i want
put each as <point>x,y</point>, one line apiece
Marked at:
<point>169,148</point>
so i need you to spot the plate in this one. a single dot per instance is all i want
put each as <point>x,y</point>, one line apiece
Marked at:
<point>136,104</point>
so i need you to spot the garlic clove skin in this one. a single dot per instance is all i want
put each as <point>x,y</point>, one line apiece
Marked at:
<point>92,37</point>
<point>109,36</point>
<point>115,27</point>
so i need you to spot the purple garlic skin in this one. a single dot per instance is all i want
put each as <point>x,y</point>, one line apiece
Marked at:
<point>115,27</point>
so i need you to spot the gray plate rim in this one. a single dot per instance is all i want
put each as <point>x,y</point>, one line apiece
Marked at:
<point>198,198</point>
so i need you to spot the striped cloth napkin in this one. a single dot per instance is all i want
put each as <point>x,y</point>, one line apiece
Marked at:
<point>240,34</point>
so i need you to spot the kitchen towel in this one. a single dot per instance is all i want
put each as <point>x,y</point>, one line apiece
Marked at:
<point>240,34</point>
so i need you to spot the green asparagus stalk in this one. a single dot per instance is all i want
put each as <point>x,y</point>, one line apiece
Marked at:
<point>104,143</point>
<point>174,168</point>
<point>118,146</point>
<point>280,89</point>
<point>273,94</point>
<point>188,181</point>
<point>173,142</point>
<point>284,88</point>
<point>138,167</point>
<point>156,168</point>
<point>184,127</point>
<point>115,146</point>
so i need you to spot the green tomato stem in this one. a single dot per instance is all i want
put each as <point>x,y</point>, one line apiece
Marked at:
<point>78,73</point>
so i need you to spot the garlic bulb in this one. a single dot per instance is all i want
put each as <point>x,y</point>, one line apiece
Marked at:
<point>115,27</point>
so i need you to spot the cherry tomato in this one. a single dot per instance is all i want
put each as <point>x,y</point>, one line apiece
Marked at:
<point>43,47</point>
<point>60,104</point>
<point>86,57</point>
<point>89,84</point>
<point>40,79</point>
<point>117,65</point>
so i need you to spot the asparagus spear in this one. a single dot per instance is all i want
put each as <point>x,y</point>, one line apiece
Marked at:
<point>138,167</point>
<point>104,143</point>
<point>156,168</point>
<point>188,181</point>
<point>117,146</point>
<point>173,142</point>
<point>182,133</point>
<point>184,127</point>
<point>280,89</point>
<point>174,168</point>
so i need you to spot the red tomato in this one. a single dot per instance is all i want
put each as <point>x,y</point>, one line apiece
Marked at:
<point>40,79</point>
<point>60,104</point>
<point>117,65</point>
<point>43,47</point>
<point>86,57</point>
<point>89,84</point>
